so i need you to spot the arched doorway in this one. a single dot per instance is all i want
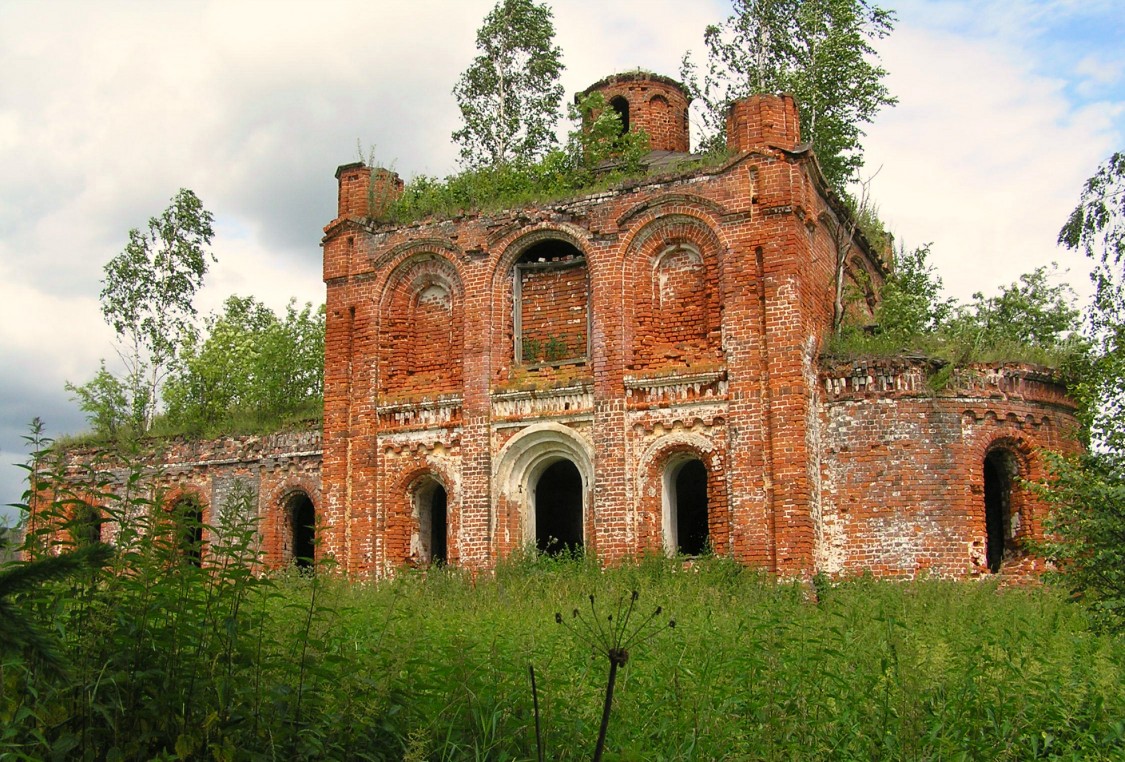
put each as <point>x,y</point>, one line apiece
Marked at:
<point>302,530</point>
<point>686,518</point>
<point>1000,471</point>
<point>558,508</point>
<point>431,512</point>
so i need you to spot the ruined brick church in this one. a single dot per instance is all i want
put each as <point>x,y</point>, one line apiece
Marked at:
<point>639,370</point>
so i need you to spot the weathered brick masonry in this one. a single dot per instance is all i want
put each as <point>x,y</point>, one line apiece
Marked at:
<point>638,370</point>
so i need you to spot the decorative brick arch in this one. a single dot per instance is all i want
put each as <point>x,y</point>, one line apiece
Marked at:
<point>400,511</point>
<point>564,288</point>
<point>673,264</point>
<point>420,489</point>
<point>277,523</point>
<point>421,319</point>
<point>189,493</point>
<point>657,466</point>
<point>1023,513</point>
<point>517,469</point>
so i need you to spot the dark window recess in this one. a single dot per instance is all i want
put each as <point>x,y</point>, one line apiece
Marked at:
<point>621,106</point>
<point>691,509</point>
<point>998,471</point>
<point>558,509</point>
<point>438,526</point>
<point>302,518</point>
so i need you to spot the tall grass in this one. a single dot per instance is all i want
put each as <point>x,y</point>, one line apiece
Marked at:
<point>170,660</point>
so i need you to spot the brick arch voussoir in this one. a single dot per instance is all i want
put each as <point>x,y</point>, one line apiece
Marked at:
<point>410,273</point>
<point>652,237</point>
<point>513,247</point>
<point>655,461</point>
<point>181,492</point>
<point>1025,448</point>
<point>392,260</point>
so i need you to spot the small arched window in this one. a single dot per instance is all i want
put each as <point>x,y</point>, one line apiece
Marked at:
<point>621,106</point>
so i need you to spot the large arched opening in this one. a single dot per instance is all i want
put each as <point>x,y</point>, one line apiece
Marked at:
<point>558,508</point>
<point>542,483</point>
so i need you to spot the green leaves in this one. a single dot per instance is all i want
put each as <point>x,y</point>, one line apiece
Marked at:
<point>1096,227</point>
<point>251,365</point>
<point>509,96</point>
<point>146,298</point>
<point>820,51</point>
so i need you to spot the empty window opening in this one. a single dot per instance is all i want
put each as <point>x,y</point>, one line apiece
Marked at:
<point>302,525</point>
<point>431,540</point>
<point>621,106</point>
<point>187,515</point>
<point>686,521</point>
<point>551,304</point>
<point>558,509</point>
<point>86,527</point>
<point>999,472</point>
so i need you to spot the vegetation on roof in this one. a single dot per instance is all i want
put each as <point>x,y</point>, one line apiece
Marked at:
<point>1032,320</point>
<point>596,157</point>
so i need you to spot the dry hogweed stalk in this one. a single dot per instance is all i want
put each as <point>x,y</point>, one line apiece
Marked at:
<point>613,639</point>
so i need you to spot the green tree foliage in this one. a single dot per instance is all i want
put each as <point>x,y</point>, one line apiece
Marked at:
<point>820,51</point>
<point>911,302</point>
<point>1086,530</point>
<point>146,297</point>
<point>1087,493</point>
<point>509,96</point>
<point>251,366</point>
<point>1036,311</point>
<point>598,153</point>
<point>1096,227</point>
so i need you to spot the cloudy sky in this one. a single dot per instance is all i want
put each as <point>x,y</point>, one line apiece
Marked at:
<point>107,108</point>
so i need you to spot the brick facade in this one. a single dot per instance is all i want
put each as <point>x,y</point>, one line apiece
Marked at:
<point>638,370</point>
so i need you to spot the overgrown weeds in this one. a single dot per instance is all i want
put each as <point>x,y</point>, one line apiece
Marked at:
<point>172,660</point>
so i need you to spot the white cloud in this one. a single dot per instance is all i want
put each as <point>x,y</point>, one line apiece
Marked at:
<point>253,105</point>
<point>982,156</point>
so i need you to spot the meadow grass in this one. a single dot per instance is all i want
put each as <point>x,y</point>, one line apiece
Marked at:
<point>182,662</point>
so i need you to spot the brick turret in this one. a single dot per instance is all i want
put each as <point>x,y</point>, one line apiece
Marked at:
<point>366,191</point>
<point>646,101</point>
<point>763,120</point>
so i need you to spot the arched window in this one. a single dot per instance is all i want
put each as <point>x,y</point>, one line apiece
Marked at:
<point>301,517</point>
<point>1000,471</point>
<point>551,304</point>
<point>430,543</point>
<point>558,508</point>
<point>86,526</point>
<point>187,518</point>
<point>621,106</point>
<point>685,514</point>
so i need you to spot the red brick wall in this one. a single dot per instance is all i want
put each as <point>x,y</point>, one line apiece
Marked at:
<point>901,470</point>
